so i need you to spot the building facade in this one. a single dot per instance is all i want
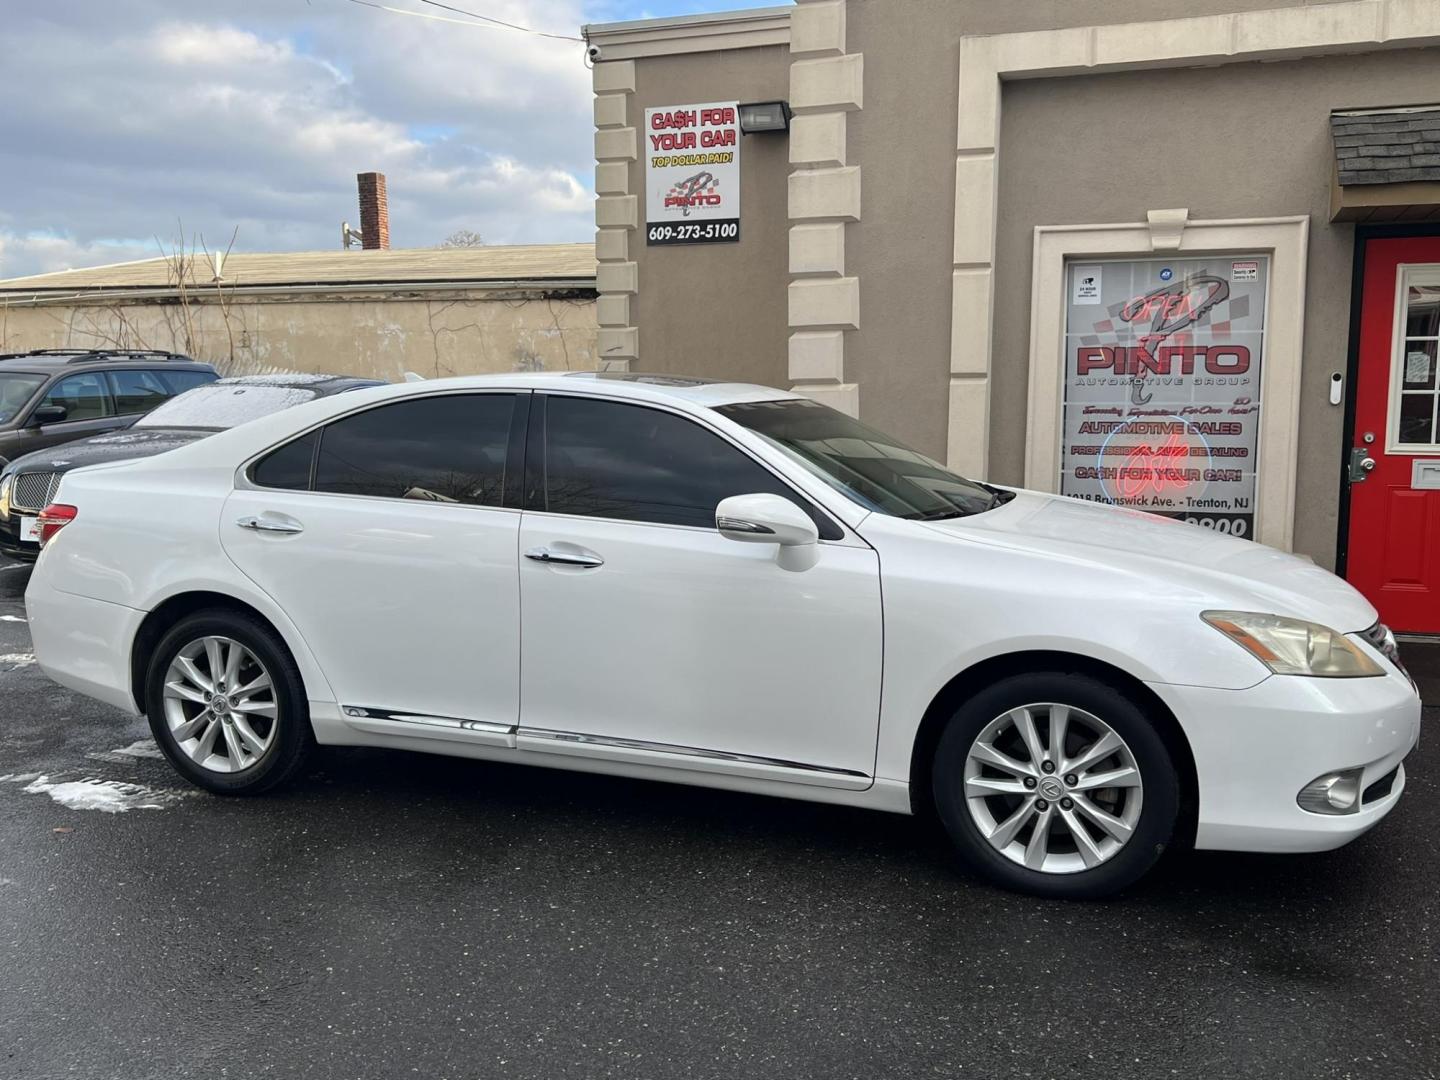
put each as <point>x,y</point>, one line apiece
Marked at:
<point>1189,264</point>
<point>376,313</point>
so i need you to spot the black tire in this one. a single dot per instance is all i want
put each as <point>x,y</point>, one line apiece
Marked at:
<point>1159,805</point>
<point>293,736</point>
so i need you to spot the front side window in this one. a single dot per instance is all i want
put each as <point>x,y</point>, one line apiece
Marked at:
<point>876,471</point>
<point>16,389</point>
<point>610,460</point>
<point>83,397</point>
<point>446,448</point>
<point>136,391</point>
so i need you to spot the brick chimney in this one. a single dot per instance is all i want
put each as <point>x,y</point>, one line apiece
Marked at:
<point>374,212</point>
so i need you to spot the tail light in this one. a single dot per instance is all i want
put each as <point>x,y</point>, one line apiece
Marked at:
<point>52,519</point>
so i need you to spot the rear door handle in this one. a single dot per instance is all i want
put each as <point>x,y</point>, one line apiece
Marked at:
<point>569,558</point>
<point>269,524</point>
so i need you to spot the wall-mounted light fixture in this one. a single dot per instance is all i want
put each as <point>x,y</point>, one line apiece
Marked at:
<point>762,116</point>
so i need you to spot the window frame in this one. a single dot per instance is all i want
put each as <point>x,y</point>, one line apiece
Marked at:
<point>245,479</point>
<point>49,388</point>
<point>537,432</point>
<point>1407,274</point>
<point>110,384</point>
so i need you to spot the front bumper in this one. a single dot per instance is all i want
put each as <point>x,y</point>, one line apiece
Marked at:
<point>1255,749</point>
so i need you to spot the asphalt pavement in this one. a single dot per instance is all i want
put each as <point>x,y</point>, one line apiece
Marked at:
<point>396,915</point>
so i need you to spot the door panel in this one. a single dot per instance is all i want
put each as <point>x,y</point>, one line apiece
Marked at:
<point>409,607</point>
<point>688,640</point>
<point>1393,553</point>
<point>660,640</point>
<point>392,554</point>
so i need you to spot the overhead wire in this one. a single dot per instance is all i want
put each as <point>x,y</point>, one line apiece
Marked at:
<point>483,19</point>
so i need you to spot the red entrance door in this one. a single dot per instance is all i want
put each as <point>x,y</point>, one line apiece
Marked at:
<point>1394,549</point>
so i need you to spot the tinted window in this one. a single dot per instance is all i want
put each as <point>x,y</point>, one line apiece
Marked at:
<point>289,466</point>
<point>444,449</point>
<point>83,397</point>
<point>608,460</point>
<point>136,391</point>
<point>15,391</point>
<point>873,469</point>
<point>180,381</point>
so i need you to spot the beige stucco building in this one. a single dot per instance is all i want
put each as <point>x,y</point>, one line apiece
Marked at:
<point>436,312</point>
<point>1061,246</point>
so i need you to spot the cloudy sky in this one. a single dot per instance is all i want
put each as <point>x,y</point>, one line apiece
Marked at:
<point>128,120</point>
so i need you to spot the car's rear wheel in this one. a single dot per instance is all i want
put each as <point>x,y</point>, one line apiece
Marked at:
<point>1056,784</point>
<point>226,703</point>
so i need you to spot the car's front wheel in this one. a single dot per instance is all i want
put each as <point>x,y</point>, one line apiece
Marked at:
<point>1056,784</point>
<point>226,703</point>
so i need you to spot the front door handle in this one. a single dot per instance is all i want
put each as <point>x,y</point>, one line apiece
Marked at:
<point>569,558</point>
<point>265,524</point>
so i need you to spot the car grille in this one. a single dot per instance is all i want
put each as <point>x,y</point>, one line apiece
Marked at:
<point>34,491</point>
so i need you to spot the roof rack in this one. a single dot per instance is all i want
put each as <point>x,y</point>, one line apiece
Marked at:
<point>97,356</point>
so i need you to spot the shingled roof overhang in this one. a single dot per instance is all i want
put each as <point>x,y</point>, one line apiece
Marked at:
<point>1387,164</point>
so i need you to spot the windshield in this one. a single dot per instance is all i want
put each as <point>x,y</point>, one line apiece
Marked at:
<point>16,389</point>
<point>875,470</point>
<point>224,405</point>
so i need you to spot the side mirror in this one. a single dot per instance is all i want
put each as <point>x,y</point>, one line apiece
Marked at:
<point>49,414</point>
<point>770,519</point>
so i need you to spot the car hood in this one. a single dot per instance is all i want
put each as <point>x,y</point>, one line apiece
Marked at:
<point>113,446</point>
<point>1174,559</point>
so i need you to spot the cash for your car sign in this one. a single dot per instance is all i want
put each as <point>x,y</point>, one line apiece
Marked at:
<point>1162,386</point>
<point>692,174</point>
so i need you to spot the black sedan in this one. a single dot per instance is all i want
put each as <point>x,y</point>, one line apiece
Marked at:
<point>28,483</point>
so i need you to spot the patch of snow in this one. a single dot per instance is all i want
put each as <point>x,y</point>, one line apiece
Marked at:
<point>18,659</point>
<point>227,404</point>
<point>145,748</point>
<point>11,618</point>
<point>107,796</point>
<point>20,777</point>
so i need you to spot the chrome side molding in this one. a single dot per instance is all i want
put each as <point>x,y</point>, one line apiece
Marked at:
<point>370,712</point>
<point>682,751</point>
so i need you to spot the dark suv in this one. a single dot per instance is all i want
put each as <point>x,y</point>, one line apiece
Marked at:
<point>53,396</point>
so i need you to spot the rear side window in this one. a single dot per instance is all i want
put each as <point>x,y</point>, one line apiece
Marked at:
<point>136,391</point>
<point>180,381</point>
<point>610,460</point>
<point>289,466</point>
<point>448,448</point>
<point>83,397</point>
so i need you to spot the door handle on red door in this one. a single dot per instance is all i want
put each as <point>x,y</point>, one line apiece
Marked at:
<point>270,524</point>
<point>576,557</point>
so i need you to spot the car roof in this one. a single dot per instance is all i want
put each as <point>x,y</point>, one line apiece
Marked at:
<point>321,383</point>
<point>50,361</point>
<point>693,391</point>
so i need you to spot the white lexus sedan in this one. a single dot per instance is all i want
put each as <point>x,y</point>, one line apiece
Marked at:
<point>729,586</point>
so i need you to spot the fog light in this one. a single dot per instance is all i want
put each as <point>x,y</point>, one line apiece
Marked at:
<point>1334,793</point>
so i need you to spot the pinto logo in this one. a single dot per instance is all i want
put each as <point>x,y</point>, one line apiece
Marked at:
<point>698,190</point>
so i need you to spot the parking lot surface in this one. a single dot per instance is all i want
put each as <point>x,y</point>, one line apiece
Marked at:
<point>397,915</point>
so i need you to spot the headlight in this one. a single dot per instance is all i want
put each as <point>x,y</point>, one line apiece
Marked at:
<point>1293,646</point>
<point>5,483</point>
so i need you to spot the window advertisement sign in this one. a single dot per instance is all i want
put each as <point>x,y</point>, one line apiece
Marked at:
<point>692,174</point>
<point>1162,386</point>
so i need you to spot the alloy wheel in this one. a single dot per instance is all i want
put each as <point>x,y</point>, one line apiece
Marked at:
<point>220,704</point>
<point>1053,788</point>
